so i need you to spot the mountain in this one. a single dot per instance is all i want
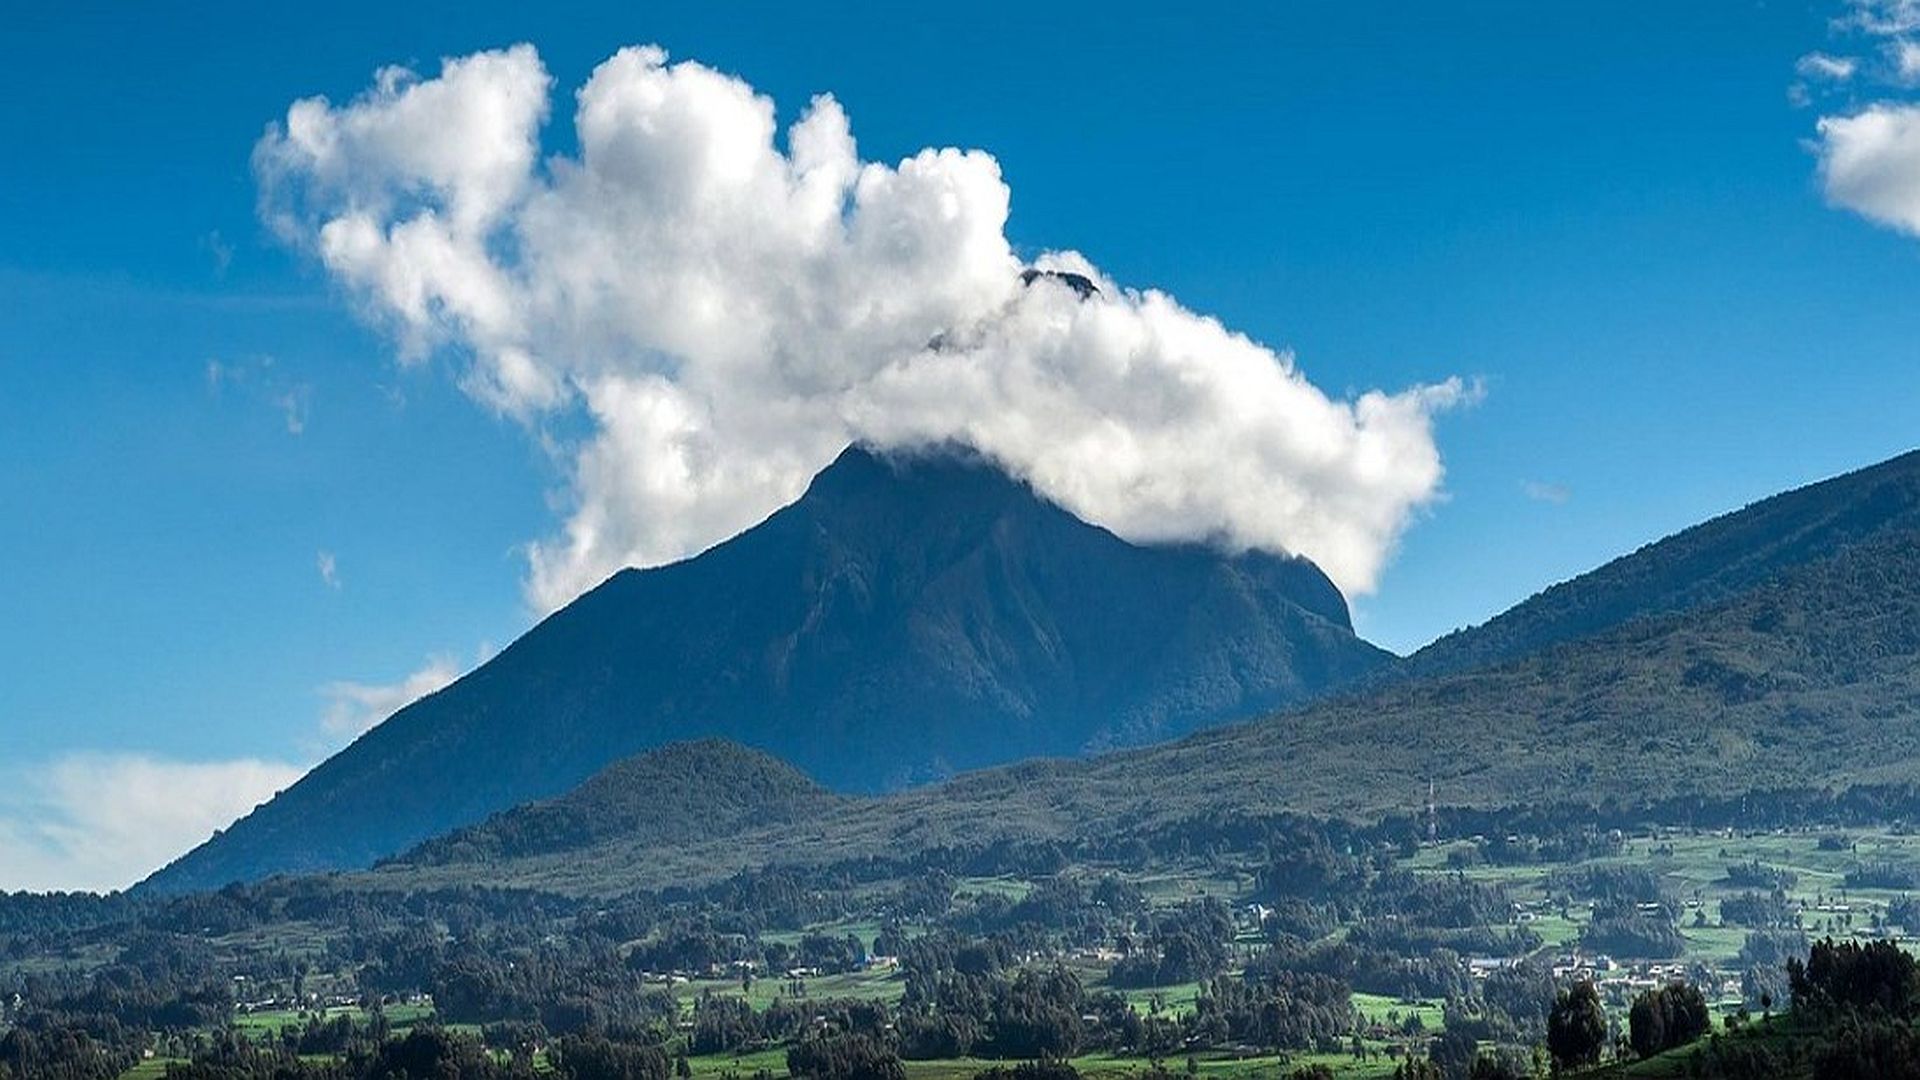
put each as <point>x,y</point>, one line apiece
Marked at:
<point>1804,675</point>
<point>1708,562</point>
<point>907,617</point>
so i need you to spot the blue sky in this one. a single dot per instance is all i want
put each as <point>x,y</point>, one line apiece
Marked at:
<point>236,522</point>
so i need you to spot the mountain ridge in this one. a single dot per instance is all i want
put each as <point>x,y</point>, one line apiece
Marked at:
<point>909,616</point>
<point>1807,678</point>
<point>1680,571</point>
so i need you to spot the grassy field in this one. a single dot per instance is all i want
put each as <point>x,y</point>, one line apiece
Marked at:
<point>269,1022</point>
<point>1375,1008</point>
<point>887,986</point>
<point>399,1017</point>
<point>1176,1000</point>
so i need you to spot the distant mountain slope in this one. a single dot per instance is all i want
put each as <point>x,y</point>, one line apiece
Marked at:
<point>681,793</point>
<point>906,617</point>
<point>1810,678</point>
<point>1700,565</point>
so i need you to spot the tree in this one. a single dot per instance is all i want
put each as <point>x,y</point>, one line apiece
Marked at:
<point>593,1057</point>
<point>1647,1025</point>
<point>1577,1026</point>
<point>1486,1067</point>
<point>1667,1017</point>
<point>844,1057</point>
<point>1044,1069</point>
<point>1878,975</point>
<point>1453,1051</point>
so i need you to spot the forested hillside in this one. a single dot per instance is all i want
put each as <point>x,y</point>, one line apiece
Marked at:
<point>1710,561</point>
<point>1810,680</point>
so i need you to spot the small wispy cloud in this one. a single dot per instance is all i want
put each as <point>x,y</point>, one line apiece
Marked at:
<point>104,821</point>
<point>329,568</point>
<point>1880,17</point>
<point>1540,491</point>
<point>293,404</point>
<point>355,707</point>
<point>219,250</point>
<point>262,377</point>
<point>1819,65</point>
<point>97,821</point>
<point>1819,69</point>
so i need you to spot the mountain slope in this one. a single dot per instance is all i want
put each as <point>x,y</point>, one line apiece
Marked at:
<point>681,793</point>
<point>905,618</point>
<point>1708,562</point>
<point>1808,678</point>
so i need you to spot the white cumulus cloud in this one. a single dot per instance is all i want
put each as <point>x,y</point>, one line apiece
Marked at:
<point>104,821</point>
<point>1870,163</point>
<point>353,707</point>
<point>1869,155</point>
<point>728,305</point>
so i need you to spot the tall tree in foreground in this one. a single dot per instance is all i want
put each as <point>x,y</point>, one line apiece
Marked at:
<point>1577,1026</point>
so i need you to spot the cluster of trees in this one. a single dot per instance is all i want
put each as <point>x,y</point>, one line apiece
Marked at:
<point>1005,1013</point>
<point>1856,1001</point>
<point>423,1052</point>
<point>969,998</point>
<point>1460,1060</point>
<point>1755,874</point>
<point>1880,875</point>
<point>1626,928</point>
<point>1904,911</point>
<point>1374,969</point>
<point>1763,960</point>
<point>1875,977</point>
<point>845,1057</point>
<point>1761,910</point>
<point>722,1024</point>
<point>568,986</point>
<point>64,1053</point>
<point>1510,1009</point>
<point>1276,1010</point>
<point>1863,1048</point>
<point>1187,944</point>
<point>698,947</point>
<point>1577,1026</point>
<point>1664,1018</point>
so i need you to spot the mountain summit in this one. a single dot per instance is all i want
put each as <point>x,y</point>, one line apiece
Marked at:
<point>909,616</point>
